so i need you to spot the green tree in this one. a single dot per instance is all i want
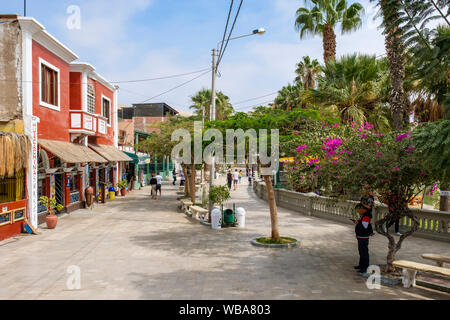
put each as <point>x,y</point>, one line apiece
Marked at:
<point>289,97</point>
<point>323,17</point>
<point>306,71</point>
<point>354,86</point>
<point>202,101</point>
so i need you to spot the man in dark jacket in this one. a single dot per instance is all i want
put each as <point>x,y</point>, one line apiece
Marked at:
<point>363,230</point>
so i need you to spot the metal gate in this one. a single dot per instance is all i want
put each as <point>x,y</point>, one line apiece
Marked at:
<point>59,188</point>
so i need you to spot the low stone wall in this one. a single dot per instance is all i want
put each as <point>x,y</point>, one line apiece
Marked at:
<point>433,224</point>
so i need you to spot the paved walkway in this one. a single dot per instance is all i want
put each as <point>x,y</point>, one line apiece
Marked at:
<point>138,248</point>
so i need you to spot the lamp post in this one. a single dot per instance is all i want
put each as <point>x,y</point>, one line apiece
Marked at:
<point>212,112</point>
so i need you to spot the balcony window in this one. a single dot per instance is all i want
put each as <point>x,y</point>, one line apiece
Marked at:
<point>90,99</point>
<point>49,85</point>
<point>106,109</point>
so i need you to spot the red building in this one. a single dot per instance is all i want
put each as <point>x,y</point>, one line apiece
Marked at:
<point>70,114</point>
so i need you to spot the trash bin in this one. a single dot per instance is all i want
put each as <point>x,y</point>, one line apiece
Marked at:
<point>240,217</point>
<point>228,216</point>
<point>112,193</point>
<point>216,219</point>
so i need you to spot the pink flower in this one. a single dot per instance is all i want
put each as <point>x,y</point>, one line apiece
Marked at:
<point>378,155</point>
<point>335,125</point>
<point>295,168</point>
<point>296,132</point>
<point>363,136</point>
<point>311,161</point>
<point>403,136</point>
<point>396,168</point>
<point>302,147</point>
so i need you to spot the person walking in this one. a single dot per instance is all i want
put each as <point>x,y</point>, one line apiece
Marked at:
<point>249,179</point>
<point>153,183</point>
<point>363,230</point>
<point>229,179</point>
<point>240,176</point>
<point>235,178</point>
<point>174,175</point>
<point>158,184</point>
<point>182,179</point>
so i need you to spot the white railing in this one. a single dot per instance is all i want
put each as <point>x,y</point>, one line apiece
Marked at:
<point>433,224</point>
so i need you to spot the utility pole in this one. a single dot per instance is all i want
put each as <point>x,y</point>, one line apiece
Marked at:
<point>212,113</point>
<point>24,8</point>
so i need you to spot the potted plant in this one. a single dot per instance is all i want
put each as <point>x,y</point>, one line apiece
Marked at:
<point>123,187</point>
<point>218,195</point>
<point>51,219</point>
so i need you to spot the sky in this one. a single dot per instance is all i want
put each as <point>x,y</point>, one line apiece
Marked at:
<point>141,39</point>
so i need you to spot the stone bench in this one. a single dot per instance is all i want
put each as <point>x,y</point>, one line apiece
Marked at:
<point>438,258</point>
<point>185,204</point>
<point>199,211</point>
<point>410,269</point>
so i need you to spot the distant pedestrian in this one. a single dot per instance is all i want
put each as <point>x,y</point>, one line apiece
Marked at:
<point>174,174</point>
<point>182,179</point>
<point>240,176</point>
<point>153,183</point>
<point>229,179</point>
<point>158,184</point>
<point>249,179</point>
<point>235,178</point>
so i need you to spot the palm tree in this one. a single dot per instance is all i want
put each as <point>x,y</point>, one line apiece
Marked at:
<point>395,50</point>
<point>288,97</point>
<point>307,71</point>
<point>352,85</point>
<point>322,18</point>
<point>202,101</point>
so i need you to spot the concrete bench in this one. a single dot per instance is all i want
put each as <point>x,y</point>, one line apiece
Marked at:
<point>185,204</point>
<point>438,258</point>
<point>410,269</point>
<point>199,211</point>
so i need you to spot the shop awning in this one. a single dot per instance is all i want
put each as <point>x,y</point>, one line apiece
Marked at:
<point>71,152</point>
<point>132,156</point>
<point>110,153</point>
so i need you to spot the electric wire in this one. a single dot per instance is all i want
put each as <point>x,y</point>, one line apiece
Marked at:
<point>226,27</point>
<point>229,35</point>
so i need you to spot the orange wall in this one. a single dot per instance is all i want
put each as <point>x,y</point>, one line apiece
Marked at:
<point>11,230</point>
<point>75,91</point>
<point>53,124</point>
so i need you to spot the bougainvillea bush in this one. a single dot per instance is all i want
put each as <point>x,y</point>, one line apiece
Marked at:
<point>340,161</point>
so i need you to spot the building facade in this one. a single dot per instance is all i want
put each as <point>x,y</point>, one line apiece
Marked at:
<point>69,113</point>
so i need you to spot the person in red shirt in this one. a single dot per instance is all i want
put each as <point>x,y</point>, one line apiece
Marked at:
<point>363,230</point>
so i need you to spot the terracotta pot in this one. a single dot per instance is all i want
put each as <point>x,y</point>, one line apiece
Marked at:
<point>51,220</point>
<point>123,192</point>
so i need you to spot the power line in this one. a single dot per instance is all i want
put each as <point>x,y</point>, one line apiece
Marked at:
<point>254,105</point>
<point>226,27</point>
<point>176,87</point>
<point>229,35</point>
<point>123,81</point>
<point>161,78</point>
<point>251,99</point>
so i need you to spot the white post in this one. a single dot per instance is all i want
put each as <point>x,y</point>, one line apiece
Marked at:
<point>212,118</point>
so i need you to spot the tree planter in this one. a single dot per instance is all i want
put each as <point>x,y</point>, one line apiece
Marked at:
<point>290,243</point>
<point>51,220</point>
<point>123,192</point>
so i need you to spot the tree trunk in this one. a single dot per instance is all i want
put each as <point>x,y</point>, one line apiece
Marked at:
<point>186,180</point>
<point>400,211</point>
<point>329,43</point>
<point>192,183</point>
<point>273,208</point>
<point>444,203</point>
<point>395,54</point>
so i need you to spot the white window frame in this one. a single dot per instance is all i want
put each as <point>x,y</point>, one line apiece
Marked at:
<point>110,118</point>
<point>87,98</point>
<point>43,103</point>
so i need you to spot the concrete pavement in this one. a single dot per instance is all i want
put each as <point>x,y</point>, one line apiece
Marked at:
<point>137,248</point>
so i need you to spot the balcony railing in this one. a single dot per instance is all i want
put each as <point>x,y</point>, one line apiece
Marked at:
<point>74,197</point>
<point>90,124</point>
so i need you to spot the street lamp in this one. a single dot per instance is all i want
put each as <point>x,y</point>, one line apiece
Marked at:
<point>212,110</point>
